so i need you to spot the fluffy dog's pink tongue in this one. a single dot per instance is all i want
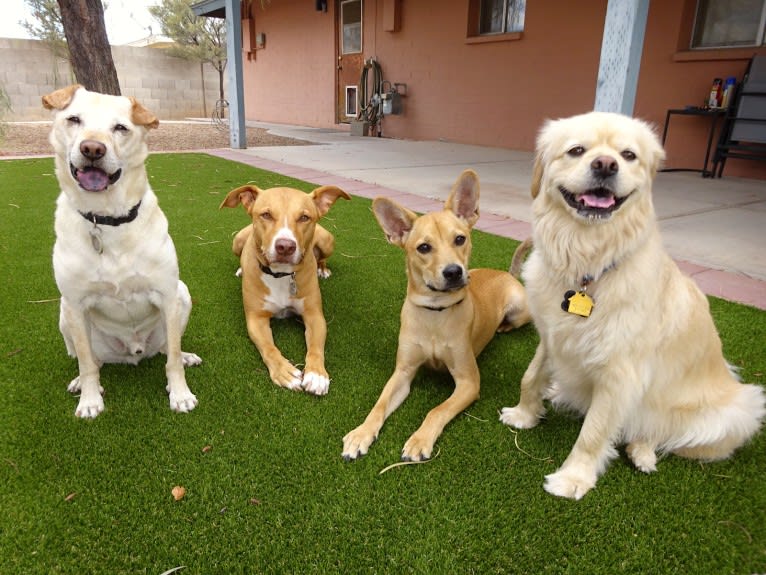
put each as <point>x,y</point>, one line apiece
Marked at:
<point>597,201</point>
<point>93,179</point>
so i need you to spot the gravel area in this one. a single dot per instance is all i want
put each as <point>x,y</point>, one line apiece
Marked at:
<point>31,139</point>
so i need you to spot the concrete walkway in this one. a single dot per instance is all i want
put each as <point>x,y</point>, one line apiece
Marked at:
<point>714,228</point>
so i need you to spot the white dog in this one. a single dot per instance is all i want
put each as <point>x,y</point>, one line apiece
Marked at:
<point>625,338</point>
<point>114,262</point>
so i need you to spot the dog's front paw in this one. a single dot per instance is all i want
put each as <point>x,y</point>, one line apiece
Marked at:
<point>89,406</point>
<point>519,417</point>
<point>643,456</point>
<point>182,401</point>
<point>315,383</point>
<point>190,359</point>
<point>570,483</point>
<point>287,375</point>
<point>417,448</point>
<point>323,273</point>
<point>357,443</point>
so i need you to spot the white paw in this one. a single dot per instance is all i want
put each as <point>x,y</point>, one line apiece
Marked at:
<point>315,383</point>
<point>238,273</point>
<point>324,273</point>
<point>89,406</point>
<point>642,456</point>
<point>569,483</point>
<point>518,417</point>
<point>74,386</point>
<point>182,401</point>
<point>190,359</point>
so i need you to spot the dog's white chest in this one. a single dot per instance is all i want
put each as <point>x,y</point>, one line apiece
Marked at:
<point>281,300</point>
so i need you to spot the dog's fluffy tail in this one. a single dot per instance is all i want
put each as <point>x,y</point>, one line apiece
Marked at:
<point>519,256</point>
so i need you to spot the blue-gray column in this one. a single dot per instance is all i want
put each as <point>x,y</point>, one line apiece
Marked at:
<point>237,130</point>
<point>621,48</point>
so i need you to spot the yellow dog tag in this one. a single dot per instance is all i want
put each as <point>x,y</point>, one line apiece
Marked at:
<point>578,303</point>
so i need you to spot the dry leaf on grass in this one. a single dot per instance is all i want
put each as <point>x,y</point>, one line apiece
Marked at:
<point>178,492</point>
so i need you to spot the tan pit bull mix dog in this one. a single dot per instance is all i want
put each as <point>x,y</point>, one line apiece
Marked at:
<point>448,316</point>
<point>282,254</point>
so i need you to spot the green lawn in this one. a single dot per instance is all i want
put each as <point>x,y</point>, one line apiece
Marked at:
<point>267,489</point>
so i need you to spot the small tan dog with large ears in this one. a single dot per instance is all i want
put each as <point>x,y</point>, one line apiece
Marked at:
<point>282,254</point>
<point>449,315</point>
<point>114,262</point>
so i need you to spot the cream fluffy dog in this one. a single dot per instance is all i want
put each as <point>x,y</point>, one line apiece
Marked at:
<point>625,338</point>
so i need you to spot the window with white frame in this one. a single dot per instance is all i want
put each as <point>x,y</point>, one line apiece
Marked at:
<point>729,23</point>
<point>501,16</point>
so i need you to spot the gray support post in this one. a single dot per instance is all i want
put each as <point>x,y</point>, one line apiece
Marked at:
<point>621,48</point>
<point>237,129</point>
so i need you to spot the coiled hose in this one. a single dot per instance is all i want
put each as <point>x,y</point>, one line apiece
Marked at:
<point>370,103</point>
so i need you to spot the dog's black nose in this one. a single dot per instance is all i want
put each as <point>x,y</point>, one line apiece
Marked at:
<point>285,247</point>
<point>605,166</point>
<point>92,149</point>
<point>452,273</point>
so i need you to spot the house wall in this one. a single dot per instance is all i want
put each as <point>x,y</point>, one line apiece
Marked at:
<point>486,93</point>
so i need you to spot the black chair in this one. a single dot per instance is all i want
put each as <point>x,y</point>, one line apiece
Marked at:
<point>744,131</point>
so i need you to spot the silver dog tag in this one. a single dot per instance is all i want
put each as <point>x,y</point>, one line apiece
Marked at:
<point>293,285</point>
<point>95,239</point>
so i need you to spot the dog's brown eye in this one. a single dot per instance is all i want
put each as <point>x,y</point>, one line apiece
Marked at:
<point>121,128</point>
<point>576,151</point>
<point>303,219</point>
<point>424,248</point>
<point>459,240</point>
<point>266,216</point>
<point>73,119</point>
<point>628,155</point>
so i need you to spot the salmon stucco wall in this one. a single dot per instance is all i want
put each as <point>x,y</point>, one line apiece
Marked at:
<point>291,80</point>
<point>494,93</point>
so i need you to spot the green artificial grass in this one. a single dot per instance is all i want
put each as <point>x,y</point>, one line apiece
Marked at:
<point>267,489</point>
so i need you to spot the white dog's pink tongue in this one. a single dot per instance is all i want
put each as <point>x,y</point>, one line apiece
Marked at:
<point>597,201</point>
<point>93,179</point>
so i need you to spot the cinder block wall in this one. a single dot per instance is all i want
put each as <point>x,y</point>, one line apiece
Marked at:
<point>170,87</point>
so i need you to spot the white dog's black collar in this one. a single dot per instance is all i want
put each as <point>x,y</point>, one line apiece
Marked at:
<point>433,308</point>
<point>110,220</point>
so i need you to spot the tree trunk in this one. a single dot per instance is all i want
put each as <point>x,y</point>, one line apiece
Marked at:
<point>90,53</point>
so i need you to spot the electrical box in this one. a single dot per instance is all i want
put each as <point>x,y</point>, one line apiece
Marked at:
<point>391,99</point>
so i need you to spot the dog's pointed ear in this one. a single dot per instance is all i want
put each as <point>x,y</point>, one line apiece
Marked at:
<point>537,176</point>
<point>140,116</point>
<point>325,196</point>
<point>61,98</point>
<point>244,195</point>
<point>395,220</point>
<point>463,200</point>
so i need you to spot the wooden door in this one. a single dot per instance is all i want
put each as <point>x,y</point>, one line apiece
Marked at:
<point>350,57</point>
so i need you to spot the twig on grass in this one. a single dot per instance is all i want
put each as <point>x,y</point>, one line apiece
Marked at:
<point>474,417</point>
<point>741,527</point>
<point>44,300</point>
<point>400,463</point>
<point>547,459</point>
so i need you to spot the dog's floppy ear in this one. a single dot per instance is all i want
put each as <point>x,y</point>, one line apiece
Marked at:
<point>395,220</point>
<point>325,196</point>
<point>140,116</point>
<point>463,200</point>
<point>60,99</point>
<point>244,195</point>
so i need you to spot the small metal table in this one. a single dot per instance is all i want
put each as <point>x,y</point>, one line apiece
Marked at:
<point>713,114</point>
